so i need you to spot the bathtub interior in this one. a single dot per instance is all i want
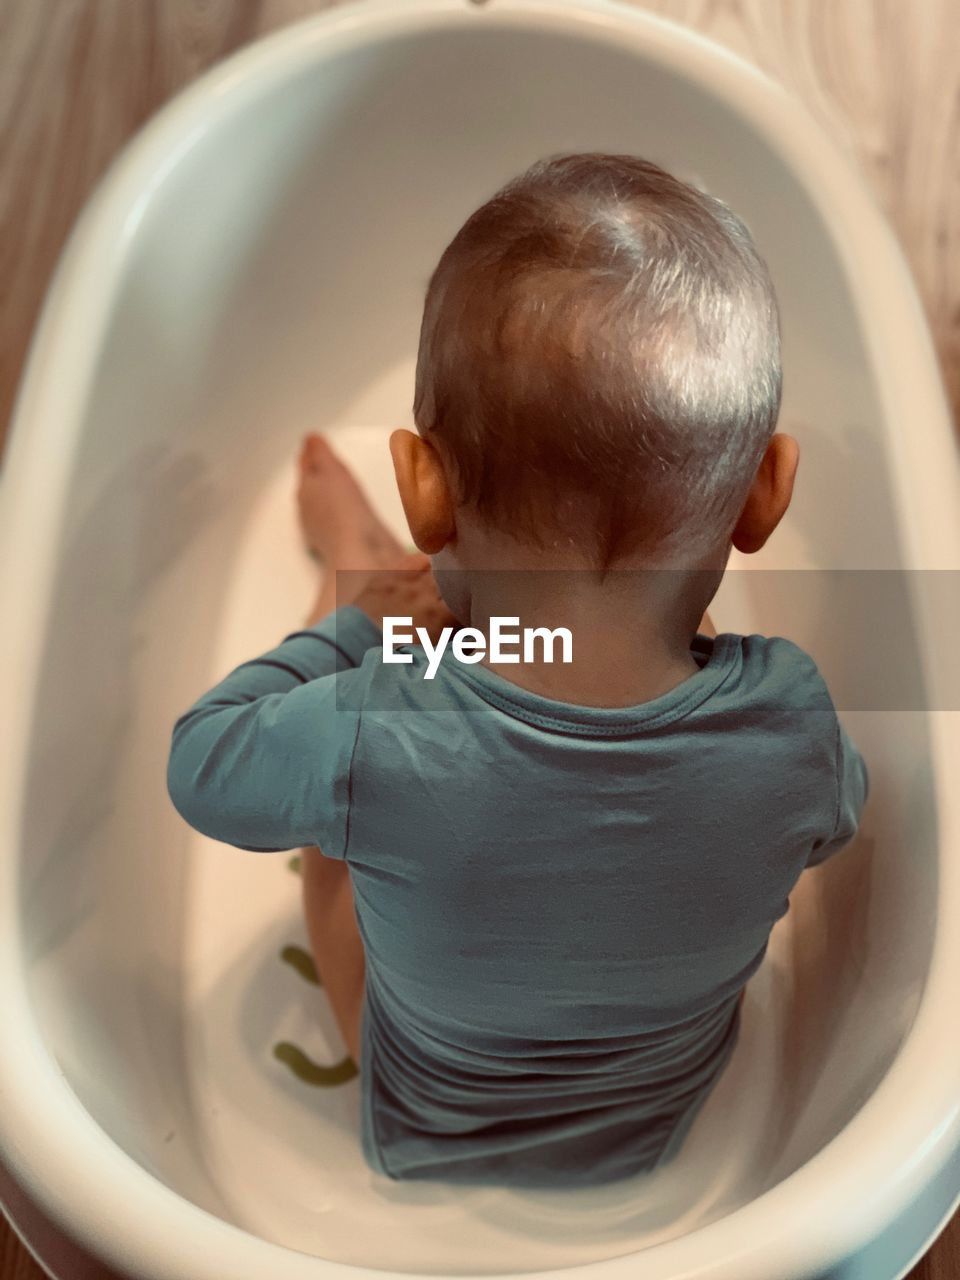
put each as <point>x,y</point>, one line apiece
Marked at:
<point>273,284</point>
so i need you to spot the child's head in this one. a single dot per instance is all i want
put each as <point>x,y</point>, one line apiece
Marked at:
<point>599,367</point>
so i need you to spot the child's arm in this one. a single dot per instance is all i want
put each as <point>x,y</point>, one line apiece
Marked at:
<point>853,785</point>
<point>262,760</point>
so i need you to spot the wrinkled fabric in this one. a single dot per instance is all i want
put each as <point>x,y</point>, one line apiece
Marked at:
<point>560,905</point>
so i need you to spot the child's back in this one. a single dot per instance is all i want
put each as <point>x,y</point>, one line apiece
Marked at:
<point>561,906</point>
<point>563,877</point>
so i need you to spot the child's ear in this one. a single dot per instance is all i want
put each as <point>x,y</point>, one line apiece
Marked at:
<point>424,491</point>
<point>769,496</point>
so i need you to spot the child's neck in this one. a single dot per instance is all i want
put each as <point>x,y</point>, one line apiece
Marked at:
<point>631,626</point>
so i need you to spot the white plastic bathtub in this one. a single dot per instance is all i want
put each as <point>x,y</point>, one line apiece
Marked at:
<point>253,267</point>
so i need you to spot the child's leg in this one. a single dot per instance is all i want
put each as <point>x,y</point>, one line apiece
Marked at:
<point>335,940</point>
<point>338,524</point>
<point>340,527</point>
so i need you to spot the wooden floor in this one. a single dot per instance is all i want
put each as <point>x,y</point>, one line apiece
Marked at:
<point>77,77</point>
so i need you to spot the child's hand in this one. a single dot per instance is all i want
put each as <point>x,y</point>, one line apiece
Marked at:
<point>407,591</point>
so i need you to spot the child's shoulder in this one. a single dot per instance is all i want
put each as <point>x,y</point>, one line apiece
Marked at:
<point>774,649</point>
<point>778,668</point>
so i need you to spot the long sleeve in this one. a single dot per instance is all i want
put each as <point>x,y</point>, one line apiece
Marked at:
<point>853,785</point>
<point>262,761</point>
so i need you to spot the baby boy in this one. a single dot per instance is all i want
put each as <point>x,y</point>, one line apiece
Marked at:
<point>536,890</point>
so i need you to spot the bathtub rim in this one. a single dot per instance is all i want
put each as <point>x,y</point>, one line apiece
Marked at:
<point>61,1175</point>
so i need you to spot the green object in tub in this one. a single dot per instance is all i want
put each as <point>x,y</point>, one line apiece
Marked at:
<point>310,1072</point>
<point>293,1057</point>
<point>302,961</point>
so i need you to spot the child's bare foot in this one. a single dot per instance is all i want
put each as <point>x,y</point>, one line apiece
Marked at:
<point>339,525</point>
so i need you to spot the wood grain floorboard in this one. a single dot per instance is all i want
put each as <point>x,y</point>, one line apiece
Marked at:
<point>78,77</point>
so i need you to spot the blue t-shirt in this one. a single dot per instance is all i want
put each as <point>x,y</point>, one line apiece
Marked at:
<point>560,905</point>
